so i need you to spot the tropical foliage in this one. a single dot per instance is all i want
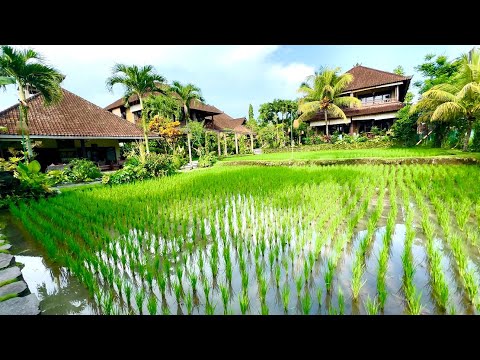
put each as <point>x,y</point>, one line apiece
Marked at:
<point>458,100</point>
<point>137,81</point>
<point>322,93</point>
<point>27,69</point>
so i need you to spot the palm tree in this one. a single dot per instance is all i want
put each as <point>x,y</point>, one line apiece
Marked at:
<point>322,93</point>
<point>187,94</point>
<point>136,81</point>
<point>28,69</point>
<point>457,101</point>
<point>164,106</point>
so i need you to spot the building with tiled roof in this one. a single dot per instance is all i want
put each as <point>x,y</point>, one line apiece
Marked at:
<point>72,128</point>
<point>381,93</point>
<point>214,118</point>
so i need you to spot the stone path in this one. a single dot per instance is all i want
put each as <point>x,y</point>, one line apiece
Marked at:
<point>189,166</point>
<point>15,298</point>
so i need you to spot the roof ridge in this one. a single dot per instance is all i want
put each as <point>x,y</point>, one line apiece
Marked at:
<point>17,104</point>
<point>383,71</point>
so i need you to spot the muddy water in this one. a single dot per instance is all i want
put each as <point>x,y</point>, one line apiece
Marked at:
<point>59,293</point>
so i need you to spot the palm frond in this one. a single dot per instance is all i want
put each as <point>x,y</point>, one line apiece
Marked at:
<point>308,110</point>
<point>342,82</point>
<point>469,91</point>
<point>448,110</point>
<point>347,101</point>
<point>336,112</point>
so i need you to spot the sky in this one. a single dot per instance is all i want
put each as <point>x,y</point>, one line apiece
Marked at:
<point>230,76</point>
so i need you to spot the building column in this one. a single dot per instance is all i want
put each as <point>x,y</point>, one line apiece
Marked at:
<point>350,130</point>
<point>397,93</point>
<point>225,143</point>
<point>82,147</point>
<point>236,144</point>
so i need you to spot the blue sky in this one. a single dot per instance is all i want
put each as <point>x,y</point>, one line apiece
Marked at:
<point>231,76</point>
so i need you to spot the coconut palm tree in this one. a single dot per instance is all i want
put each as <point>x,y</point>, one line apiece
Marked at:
<point>187,94</point>
<point>459,100</point>
<point>321,92</point>
<point>136,81</point>
<point>28,69</point>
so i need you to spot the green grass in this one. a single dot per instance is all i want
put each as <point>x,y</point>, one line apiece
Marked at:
<point>245,237</point>
<point>8,296</point>
<point>352,154</point>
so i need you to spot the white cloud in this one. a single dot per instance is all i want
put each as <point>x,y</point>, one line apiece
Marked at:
<point>230,76</point>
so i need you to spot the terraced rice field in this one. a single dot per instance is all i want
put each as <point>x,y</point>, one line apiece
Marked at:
<point>340,239</point>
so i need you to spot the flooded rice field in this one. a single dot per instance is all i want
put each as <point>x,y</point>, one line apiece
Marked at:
<point>335,240</point>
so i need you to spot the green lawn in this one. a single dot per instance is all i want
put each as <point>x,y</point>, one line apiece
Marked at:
<point>351,154</point>
<point>314,240</point>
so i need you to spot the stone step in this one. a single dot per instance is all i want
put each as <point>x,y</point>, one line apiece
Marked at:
<point>5,247</point>
<point>9,274</point>
<point>13,288</point>
<point>26,305</point>
<point>5,260</point>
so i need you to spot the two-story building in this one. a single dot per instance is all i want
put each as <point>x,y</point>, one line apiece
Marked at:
<point>381,93</point>
<point>214,119</point>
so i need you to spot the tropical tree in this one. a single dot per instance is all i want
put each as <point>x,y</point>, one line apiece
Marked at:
<point>250,112</point>
<point>163,106</point>
<point>187,94</point>
<point>27,68</point>
<point>137,81</point>
<point>459,100</point>
<point>322,92</point>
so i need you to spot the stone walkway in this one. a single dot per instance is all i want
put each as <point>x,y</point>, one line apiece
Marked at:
<point>189,166</point>
<point>15,298</point>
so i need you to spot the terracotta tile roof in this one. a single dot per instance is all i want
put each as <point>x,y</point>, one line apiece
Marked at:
<point>366,110</point>
<point>224,122</point>
<point>73,116</point>
<point>365,77</point>
<point>194,105</point>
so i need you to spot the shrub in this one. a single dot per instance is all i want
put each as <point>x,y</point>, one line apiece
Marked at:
<point>57,176</point>
<point>155,165</point>
<point>20,180</point>
<point>207,160</point>
<point>82,170</point>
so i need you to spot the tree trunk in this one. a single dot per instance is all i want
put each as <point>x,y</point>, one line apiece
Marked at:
<point>27,146</point>
<point>469,132</point>
<point>189,149</point>
<point>219,144</point>
<point>251,142</point>
<point>236,144</point>
<point>326,122</point>
<point>144,125</point>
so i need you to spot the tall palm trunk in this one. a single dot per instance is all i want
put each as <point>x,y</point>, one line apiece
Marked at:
<point>469,132</point>
<point>144,125</point>
<point>326,122</point>
<point>24,118</point>
<point>189,143</point>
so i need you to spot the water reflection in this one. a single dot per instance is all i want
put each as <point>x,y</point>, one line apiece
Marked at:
<point>58,292</point>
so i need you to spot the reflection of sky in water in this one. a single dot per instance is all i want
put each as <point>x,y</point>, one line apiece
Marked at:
<point>58,293</point>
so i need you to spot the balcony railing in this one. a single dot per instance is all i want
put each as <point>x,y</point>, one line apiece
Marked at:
<point>377,102</point>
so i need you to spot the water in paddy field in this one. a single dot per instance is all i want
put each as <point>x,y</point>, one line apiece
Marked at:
<point>245,227</point>
<point>59,292</point>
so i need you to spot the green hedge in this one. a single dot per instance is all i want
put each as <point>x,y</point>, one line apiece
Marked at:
<point>371,144</point>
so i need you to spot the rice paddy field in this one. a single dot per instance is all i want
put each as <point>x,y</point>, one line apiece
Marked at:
<point>355,154</point>
<point>339,239</point>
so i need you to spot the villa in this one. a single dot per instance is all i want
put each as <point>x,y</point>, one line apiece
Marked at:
<point>382,94</point>
<point>215,119</point>
<point>73,128</point>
